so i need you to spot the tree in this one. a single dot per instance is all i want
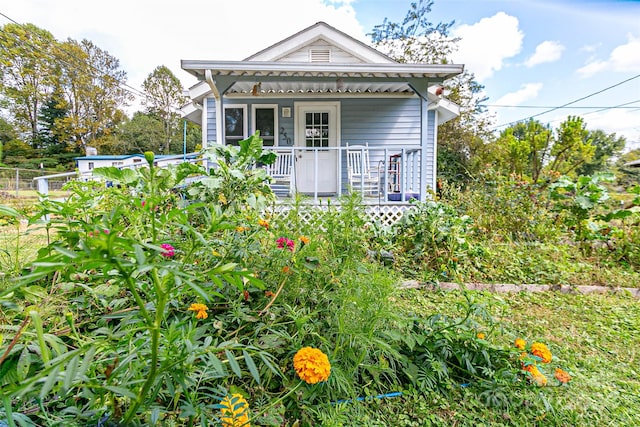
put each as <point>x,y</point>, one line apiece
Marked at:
<point>51,134</point>
<point>164,98</point>
<point>144,132</point>
<point>93,85</point>
<point>417,40</point>
<point>26,72</point>
<point>607,147</point>
<point>522,149</point>
<point>572,147</point>
<point>194,139</point>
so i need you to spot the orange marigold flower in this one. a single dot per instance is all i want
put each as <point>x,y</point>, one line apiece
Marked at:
<point>269,294</point>
<point>241,229</point>
<point>263,223</point>
<point>520,343</point>
<point>305,240</point>
<point>536,376</point>
<point>542,351</point>
<point>480,335</point>
<point>234,411</point>
<point>562,376</point>
<point>311,365</point>
<point>286,269</point>
<point>200,309</point>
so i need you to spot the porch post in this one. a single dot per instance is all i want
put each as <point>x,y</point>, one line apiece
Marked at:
<point>420,88</point>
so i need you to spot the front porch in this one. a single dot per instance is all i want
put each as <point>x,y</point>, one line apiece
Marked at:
<point>381,175</point>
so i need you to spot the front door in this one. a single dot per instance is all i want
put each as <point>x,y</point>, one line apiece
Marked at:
<point>317,131</point>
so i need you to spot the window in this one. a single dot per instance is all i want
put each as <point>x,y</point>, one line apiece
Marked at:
<point>117,163</point>
<point>316,131</point>
<point>265,119</point>
<point>235,123</point>
<point>90,165</point>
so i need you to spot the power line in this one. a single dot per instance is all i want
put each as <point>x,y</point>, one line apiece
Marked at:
<point>572,108</point>
<point>568,103</point>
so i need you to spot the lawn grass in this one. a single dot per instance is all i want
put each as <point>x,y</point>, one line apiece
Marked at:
<point>594,337</point>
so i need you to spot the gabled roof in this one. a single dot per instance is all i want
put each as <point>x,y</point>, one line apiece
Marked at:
<point>320,31</point>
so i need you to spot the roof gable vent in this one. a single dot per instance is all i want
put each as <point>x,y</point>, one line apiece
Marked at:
<point>320,55</point>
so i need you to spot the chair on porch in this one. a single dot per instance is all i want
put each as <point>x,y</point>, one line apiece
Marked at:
<point>362,176</point>
<point>282,173</point>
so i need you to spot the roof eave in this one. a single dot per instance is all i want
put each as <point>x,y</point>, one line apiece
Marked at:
<point>253,69</point>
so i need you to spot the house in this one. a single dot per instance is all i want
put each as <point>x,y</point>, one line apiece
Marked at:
<point>323,97</point>
<point>85,165</point>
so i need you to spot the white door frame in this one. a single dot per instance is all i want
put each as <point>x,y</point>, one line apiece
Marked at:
<point>327,159</point>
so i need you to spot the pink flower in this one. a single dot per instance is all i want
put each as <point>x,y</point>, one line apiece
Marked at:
<point>106,231</point>
<point>144,202</point>
<point>283,241</point>
<point>167,250</point>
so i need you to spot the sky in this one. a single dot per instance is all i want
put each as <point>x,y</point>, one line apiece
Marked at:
<point>531,56</point>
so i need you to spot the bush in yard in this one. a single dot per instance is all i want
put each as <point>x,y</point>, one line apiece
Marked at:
<point>432,237</point>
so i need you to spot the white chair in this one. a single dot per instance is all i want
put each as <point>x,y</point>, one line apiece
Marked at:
<point>282,172</point>
<point>361,175</point>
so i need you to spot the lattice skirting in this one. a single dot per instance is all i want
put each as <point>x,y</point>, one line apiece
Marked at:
<point>384,215</point>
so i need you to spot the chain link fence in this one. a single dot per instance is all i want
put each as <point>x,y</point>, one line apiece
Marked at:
<point>16,180</point>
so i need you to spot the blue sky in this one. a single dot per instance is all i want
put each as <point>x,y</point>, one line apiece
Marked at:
<point>525,53</point>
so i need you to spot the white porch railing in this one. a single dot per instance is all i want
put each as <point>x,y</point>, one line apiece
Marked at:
<point>381,175</point>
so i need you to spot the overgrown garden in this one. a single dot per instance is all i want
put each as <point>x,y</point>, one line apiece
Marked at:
<point>156,302</point>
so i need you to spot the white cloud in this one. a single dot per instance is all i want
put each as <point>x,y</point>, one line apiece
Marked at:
<point>485,45</point>
<point>526,92</point>
<point>547,51</point>
<point>623,58</point>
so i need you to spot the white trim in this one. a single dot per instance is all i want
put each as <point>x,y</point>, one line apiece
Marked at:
<point>434,164</point>
<point>276,128</point>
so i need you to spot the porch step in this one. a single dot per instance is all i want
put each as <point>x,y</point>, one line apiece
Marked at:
<point>281,190</point>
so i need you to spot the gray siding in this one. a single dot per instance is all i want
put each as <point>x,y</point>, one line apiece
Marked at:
<point>381,122</point>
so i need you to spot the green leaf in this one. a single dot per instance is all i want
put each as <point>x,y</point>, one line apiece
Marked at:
<point>120,391</point>
<point>233,363</point>
<point>52,379</point>
<point>218,366</point>
<point>251,365</point>
<point>7,211</point>
<point>66,252</point>
<point>71,371</point>
<point>24,363</point>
